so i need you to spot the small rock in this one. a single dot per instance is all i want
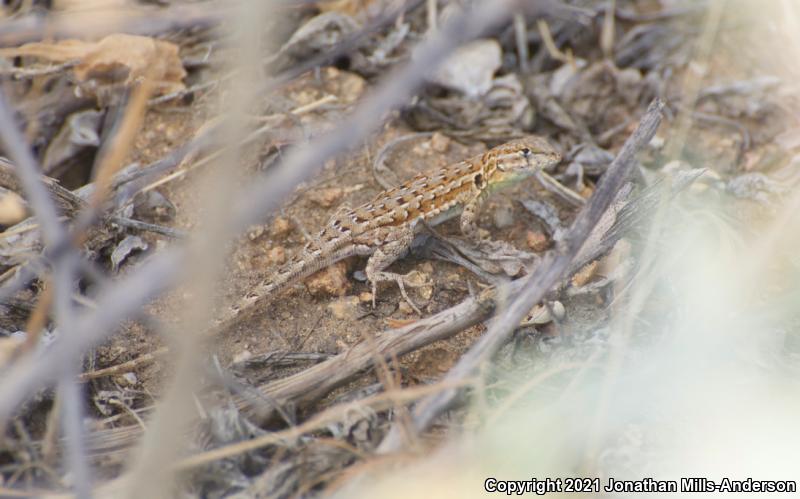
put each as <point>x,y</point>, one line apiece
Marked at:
<point>326,197</point>
<point>331,281</point>
<point>657,142</point>
<point>255,232</point>
<point>470,68</point>
<point>13,208</point>
<point>423,285</point>
<point>172,134</point>
<point>404,308</point>
<point>280,227</point>
<point>277,255</point>
<point>421,149</point>
<point>537,241</point>
<point>559,312</point>
<point>344,308</point>
<point>127,379</point>
<point>242,356</point>
<point>440,142</point>
<point>453,278</point>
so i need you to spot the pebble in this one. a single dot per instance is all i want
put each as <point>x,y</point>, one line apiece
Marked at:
<point>130,378</point>
<point>440,142</point>
<point>404,308</point>
<point>326,198</point>
<point>331,281</point>
<point>424,288</point>
<point>344,308</point>
<point>280,227</point>
<point>255,232</point>
<point>277,255</point>
<point>470,68</point>
<point>126,379</point>
<point>537,241</point>
<point>12,207</point>
<point>242,356</point>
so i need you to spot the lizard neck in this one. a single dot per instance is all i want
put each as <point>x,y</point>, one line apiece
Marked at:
<point>508,179</point>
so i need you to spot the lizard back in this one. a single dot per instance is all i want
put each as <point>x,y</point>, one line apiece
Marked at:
<point>432,197</point>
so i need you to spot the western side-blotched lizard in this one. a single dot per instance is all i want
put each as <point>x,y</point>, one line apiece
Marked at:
<point>385,227</point>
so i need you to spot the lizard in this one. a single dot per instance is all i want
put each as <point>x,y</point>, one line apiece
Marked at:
<point>384,228</point>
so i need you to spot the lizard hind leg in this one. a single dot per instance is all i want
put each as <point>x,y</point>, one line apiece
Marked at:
<point>383,256</point>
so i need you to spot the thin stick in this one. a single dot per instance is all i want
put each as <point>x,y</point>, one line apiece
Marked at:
<point>521,37</point>
<point>607,33</point>
<point>124,367</point>
<point>432,8</point>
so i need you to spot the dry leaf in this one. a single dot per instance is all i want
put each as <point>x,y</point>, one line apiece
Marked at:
<point>397,323</point>
<point>116,59</point>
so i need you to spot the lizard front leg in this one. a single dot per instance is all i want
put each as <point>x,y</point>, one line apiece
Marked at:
<point>383,256</point>
<point>469,216</point>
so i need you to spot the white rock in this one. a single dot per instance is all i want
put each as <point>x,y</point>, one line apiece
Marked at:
<point>470,69</point>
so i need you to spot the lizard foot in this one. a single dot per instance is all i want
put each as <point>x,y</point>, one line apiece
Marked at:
<point>402,281</point>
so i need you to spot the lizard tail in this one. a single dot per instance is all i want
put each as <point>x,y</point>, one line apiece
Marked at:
<point>296,269</point>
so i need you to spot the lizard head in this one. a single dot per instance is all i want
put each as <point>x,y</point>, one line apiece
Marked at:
<point>519,158</point>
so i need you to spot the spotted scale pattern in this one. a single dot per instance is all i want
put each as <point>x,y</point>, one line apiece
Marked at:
<point>385,227</point>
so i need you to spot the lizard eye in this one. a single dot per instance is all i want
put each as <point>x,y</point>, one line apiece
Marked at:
<point>526,152</point>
